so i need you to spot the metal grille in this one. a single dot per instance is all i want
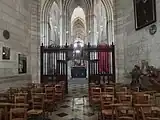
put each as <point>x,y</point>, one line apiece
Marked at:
<point>101,64</point>
<point>54,67</point>
<point>54,64</point>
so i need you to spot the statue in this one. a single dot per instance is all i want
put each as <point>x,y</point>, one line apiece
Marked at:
<point>145,77</point>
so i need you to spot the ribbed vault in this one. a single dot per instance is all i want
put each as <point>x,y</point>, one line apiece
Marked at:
<point>67,7</point>
<point>78,30</point>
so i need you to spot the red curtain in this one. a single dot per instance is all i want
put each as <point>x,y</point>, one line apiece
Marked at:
<point>103,60</point>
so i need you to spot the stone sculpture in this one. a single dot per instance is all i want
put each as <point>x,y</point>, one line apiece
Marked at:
<point>145,77</point>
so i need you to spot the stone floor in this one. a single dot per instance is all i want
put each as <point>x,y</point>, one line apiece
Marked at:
<point>75,105</point>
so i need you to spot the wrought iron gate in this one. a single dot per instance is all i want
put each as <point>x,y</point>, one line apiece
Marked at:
<point>95,75</point>
<point>54,65</point>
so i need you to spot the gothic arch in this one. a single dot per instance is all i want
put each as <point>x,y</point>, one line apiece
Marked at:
<point>46,7</point>
<point>79,19</point>
<point>68,6</point>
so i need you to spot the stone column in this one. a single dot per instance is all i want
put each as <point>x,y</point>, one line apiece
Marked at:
<point>63,33</point>
<point>67,25</point>
<point>35,41</point>
<point>90,27</point>
<point>69,29</point>
<point>61,29</point>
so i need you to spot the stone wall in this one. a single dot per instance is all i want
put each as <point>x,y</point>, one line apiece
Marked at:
<point>134,46</point>
<point>16,16</point>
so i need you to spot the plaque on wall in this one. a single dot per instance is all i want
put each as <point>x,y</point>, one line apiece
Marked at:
<point>6,53</point>
<point>22,64</point>
<point>6,34</point>
<point>145,13</point>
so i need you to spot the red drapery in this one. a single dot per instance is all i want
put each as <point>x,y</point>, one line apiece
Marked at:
<point>103,60</point>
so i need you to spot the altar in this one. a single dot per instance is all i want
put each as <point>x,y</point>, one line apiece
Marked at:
<point>78,72</point>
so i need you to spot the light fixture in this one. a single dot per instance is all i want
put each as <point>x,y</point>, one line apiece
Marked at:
<point>77,51</point>
<point>101,26</point>
<point>89,31</point>
<point>67,32</point>
<point>81,44</point>
<point>75,45</point>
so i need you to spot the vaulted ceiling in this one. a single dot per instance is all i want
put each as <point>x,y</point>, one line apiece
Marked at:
<point>72,4</point>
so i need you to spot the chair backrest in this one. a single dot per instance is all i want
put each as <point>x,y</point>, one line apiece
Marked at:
<point>20,98</point>
<point>96,91</point>
<point>106,100</point>
<point>125,99</point>
<point>4,97</point>
<point>37,90</point>
<point>125,113</point>
<point>142,98</point>
<point>157,99</point>
<point>50,93</point>
<point>18,116</point>
<point>38,101</point>
<point>109,90</point>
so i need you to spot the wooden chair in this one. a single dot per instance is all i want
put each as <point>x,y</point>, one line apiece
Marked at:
<point>107,109</point>
<point>21,115</point>
<point>12,92</point>
<point>36,90</point>
<point>95,95</point>
<point>4,98</point>
<point>125,99</point>
<point>21,98</point>
<point>19,112</point>
<point>142,103</point>
<point>59,93</point>
<point>50,99</point>
<point>37,105</point>
<point>157,99</point>
<point>153,113</point>
<point>109,90</point>
<point>142,98</point>
<point>125,113</point>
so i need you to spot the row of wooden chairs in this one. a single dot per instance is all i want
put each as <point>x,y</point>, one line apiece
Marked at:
<point>123,103</point>
<point>32,100</point>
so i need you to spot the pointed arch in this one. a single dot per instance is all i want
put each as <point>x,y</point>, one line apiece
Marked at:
<point>45,19</point>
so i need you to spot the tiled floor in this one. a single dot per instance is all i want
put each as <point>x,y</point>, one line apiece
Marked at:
<point>75,105</point>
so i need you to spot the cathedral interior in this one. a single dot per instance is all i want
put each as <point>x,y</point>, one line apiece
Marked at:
<point>79,60</point>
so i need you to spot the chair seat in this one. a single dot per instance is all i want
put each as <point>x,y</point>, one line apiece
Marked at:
<point>126,118</point>
<point>96,99</point>
<point>107,112</point>
<point>18,110</point>
<point>48,101</point>
<point>35,112</point>
<point>58,94</point>
<point>152,118</point>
